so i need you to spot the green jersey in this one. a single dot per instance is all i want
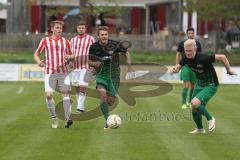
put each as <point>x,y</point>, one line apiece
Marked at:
<point>109,59</point>
<point>203,68</point>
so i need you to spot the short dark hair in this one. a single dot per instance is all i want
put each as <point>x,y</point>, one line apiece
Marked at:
<point>52,24</point>
<point>190,29</point>
<point>103,28</point>
<point>81,23</point>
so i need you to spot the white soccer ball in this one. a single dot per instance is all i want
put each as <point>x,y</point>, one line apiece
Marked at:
<point>114,121</point>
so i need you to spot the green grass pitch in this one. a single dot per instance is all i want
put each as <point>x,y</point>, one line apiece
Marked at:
<point>25,132</point>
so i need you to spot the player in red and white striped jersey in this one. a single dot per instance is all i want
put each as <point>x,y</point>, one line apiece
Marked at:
<point>57,52</point>
<point>80,45</point>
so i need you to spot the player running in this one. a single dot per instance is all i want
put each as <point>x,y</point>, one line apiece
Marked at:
<point>187,75</point>
<point>108,79</point>
<point>207,82</point>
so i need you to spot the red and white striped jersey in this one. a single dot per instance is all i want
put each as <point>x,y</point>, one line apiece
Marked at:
<point>80,48</point>
<point>55,51</point>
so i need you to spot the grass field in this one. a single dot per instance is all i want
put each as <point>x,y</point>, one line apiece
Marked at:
<point>25,132</point>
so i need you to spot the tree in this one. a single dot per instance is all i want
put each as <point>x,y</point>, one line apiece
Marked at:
<point>216,10</point>
<point>3,6</point>
<point>89,8</point>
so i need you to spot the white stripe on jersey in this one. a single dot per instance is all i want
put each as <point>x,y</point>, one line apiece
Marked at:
<point>55,51</point>
<point>80,48</point>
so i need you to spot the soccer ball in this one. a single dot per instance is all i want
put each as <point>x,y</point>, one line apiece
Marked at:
<point>114,121</point>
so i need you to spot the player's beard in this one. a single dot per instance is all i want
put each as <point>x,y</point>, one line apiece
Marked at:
<point>81,34</point>
<point>104,41</point>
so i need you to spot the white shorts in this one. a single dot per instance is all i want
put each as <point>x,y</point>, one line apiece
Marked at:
<point>58,81</point>
<point>78,77</point>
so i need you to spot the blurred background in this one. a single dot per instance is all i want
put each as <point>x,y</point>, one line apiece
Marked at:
<point>152,25</point>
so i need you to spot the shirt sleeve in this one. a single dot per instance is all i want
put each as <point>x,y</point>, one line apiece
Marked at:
<point>69,51</point>
<point>41,46</point>
<point>72,45</point>
<point>182,62</point>
<point>181,47</point>
<point>208,59</point>
<point>91,50</point>
<point>199,47</point>
<point>92,40</point>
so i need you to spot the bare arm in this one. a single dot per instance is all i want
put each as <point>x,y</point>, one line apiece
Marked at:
<point>38,60</point>
<point>128,60</point>
<point>222,58</point>
<point>178,57</point>
<point>176,69</point>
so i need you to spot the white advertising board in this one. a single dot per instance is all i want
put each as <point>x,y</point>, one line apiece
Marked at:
<point>9,72</point>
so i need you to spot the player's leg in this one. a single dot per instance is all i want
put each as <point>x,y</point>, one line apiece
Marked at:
<point>197,117</point>
<point>192,82</point>
<point>67,109</point>
<point>200,100</point>
<point>81,96</point>
<point>185,94</point>
<point>185,77</point>
<point>103,100</point>
<point>102,87</point>
<point>81,91</point>
<point>64,87</point>
<point>50,85</point>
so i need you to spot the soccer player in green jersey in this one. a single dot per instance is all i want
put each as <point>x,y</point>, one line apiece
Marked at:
<point>187,75</point>
<point>207,81</point>
<point>108,78</point>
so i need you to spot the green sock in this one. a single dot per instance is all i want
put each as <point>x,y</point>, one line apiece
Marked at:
<point>184,95</point>
<point>197,117</point>
<point>104,109</point>
<point>202,109</point>
<point>189,95</point>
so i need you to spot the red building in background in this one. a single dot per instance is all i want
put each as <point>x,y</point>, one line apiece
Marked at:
<point>140,16</point>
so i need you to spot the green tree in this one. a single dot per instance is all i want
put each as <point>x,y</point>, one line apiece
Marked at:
<point>89,8</point>
<point>2,6</point>
<point>216,9</point>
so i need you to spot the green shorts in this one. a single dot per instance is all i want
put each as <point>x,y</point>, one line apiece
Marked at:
<point>204,94</point>
<point>187,75</point>
<point>111,84</point>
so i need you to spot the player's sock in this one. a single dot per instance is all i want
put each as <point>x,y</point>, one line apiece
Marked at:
<point>184,95</point>
<point>67,107</point>
<point>80,100</point>
<point>197,117</point>
<point>104,109</point>
<point>202,109</point>
<point>51,107</point>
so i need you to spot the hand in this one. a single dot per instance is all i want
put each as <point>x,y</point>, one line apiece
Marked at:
<point>96,64</point>
<point>41,64</point>
<point>173,70</point>
<point>68,57</point>
<point>93,70</point>
<point>231,72</point>
<point>130,69</point>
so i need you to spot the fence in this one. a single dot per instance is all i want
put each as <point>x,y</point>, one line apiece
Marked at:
<point>158,42</point>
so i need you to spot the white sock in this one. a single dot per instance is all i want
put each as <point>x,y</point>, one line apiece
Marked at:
<point>51,107</point>
<point>67,107</point>
<point>80,100</point>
